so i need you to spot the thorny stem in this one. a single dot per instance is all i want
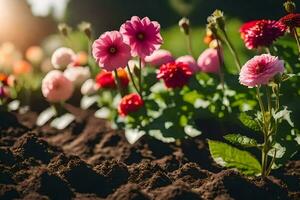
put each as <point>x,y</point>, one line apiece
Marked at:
<point>118,83</point>
<point>233,51</point>
<point>132,79</point>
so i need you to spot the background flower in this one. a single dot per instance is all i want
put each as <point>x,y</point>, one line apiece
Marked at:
<point>22,67</point>
<point>56,87</point>
<point>77,74</point>
<point>174,74</point>
<point>130,103</point>
<point>142,35</point>
<point>110,51</point>
<point>190,61</point>
<point>261,32</point>
<point>260,70</point>
<point>62,57</point>
<point>208,61</point>
<point>107,79</point>
<point>159,57</point>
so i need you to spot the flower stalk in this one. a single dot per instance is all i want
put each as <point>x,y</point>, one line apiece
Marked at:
<point>118,83</point>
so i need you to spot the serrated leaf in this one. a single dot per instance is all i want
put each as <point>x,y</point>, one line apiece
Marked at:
<point>241,140</point>
<point>249,122</point>
<point>231,157</point>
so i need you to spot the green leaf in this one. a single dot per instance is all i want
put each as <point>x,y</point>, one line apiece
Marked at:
<point>241,140</point>
<point>249,122</point>
<point>231,157</point>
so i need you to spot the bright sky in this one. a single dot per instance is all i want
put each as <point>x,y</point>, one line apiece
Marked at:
<point>45,7</point>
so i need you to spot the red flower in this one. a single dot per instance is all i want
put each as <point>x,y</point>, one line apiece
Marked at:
<point>107,80</point>
<point>291,20</point>
<point>130,103</point>
<point>3,79</point>
<point>261,32</point>
<point>175,74</point>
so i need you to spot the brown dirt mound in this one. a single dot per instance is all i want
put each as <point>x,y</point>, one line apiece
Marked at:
<point>88,160</point>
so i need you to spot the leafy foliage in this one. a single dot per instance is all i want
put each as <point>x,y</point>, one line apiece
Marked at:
<point>231,157</point>
<point>241,140</point>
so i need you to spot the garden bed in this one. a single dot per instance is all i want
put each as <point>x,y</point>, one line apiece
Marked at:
<point>89,160</point>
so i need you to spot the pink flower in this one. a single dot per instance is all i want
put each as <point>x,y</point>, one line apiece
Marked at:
<point>175,75</point>
<point>261,32</point>
<point>260,70</point>
<point>190,61</point>
<point>110,51</point>
<point>159,57</point>
<point>77,75</point>
<point>56,87</point>
<point>62,57</point>
<point>142,35</point>
<point>208,61</point>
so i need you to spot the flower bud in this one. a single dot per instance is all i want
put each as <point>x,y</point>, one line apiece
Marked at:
<point>289,6</point>
<point>86,28</point>
<point>219,19</point>
<point>184,25</point>
<point>64,29</point>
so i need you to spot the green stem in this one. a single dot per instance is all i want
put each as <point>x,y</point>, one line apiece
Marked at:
<point>233,51</point>
<point>221,74</point>
<point>132,79</point>
<point>264,150</point>
<point>140,76</point>
<point>189,44</point>
<point>118,83</point>
<point>297,38</point>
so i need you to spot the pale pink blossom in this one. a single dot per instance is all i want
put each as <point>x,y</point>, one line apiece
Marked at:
<point>260,70</point>
<point>208,61</point>
<point>62,57</point>
<point>142,35</point>
<point>56,87</point>
<point>77,75</point>
<point>159,57</point>
<point>190,61</point>
<point>110,51</point>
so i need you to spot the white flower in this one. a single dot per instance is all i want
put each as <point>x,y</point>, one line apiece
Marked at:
<point>77,74</point>
<point>88,87</point>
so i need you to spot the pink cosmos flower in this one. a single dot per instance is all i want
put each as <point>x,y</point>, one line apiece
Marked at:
<point>62,57</point>
<point>261,32</point>
<point>260,70</point>
<point>56,87</point>
<point>159,57</point>
<point>110,51</point>
<point>142,35</point>
<point>190,61</point>
<point>208,61</point>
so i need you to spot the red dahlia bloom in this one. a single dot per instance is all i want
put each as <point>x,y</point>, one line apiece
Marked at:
<point>291,20</point>
<point>130,103</point>
<point>261,32</point>
<point>175,74</point>
<point>107,80</point>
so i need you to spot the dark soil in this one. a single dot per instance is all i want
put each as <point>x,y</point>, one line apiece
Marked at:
<point>89,160</point>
